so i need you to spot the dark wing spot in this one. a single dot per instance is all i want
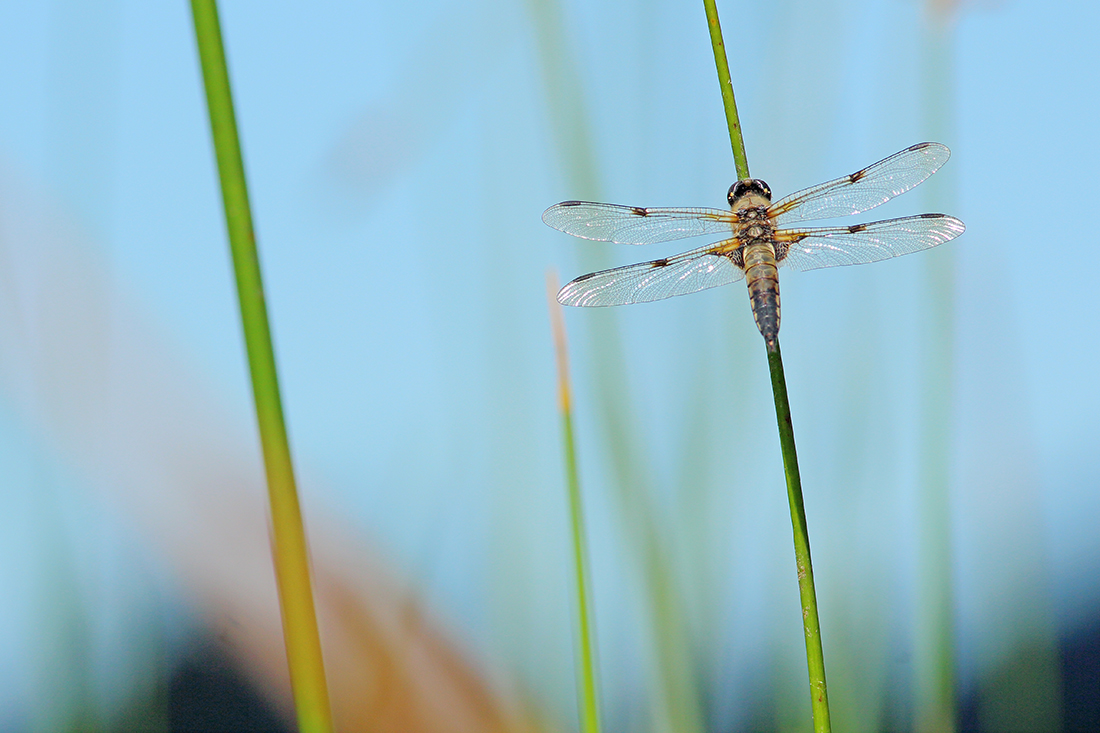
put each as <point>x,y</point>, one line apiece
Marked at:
<point>639,211</point>
<point>932,216</point>
<point>663,262</point>
<point>857,176</point>
<point>918,146</point>
<point>856,228</point>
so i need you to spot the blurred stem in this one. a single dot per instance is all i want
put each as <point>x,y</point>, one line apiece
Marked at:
<point>737,142</point>
<point>676,701</point>
<point>303,645</point>
<point>935,658</point>
<point>588,702</point>
<point>815,659</point>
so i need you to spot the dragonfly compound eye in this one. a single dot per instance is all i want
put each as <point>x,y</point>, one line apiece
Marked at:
<point>748,186</point>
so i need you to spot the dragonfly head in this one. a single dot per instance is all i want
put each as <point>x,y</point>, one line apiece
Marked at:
<point>748,187</point>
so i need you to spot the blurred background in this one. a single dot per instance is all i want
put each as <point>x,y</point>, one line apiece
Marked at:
<point>399,159</point>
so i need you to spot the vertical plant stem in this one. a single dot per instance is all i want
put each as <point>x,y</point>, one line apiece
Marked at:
<point>303,645</point>
<point>587,702</point>
<point>935,705</point>
<point>737,142</point>
<point>675,702</point>
<point>815,659</point>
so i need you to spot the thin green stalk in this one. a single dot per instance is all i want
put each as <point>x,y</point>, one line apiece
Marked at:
<point>676,703</point>
<point>815,660</point>
<point>737,142</point>
<point>935,658</point>
<point>303,644</point>
<point>588,702</point>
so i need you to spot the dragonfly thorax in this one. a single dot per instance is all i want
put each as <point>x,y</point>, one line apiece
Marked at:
<point>748,187</point>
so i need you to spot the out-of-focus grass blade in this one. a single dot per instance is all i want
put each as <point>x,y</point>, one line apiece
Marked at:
<point>676,704</point>
<point>303,643</point>
<point>935,705</point>
<point>588,701</point>
<point>464,46</point>
<point>1024,693</point>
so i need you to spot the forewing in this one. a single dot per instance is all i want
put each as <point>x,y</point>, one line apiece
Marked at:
<point>809,249</point>
<point>689,272</point>
<point>863,190</point>
<point>633,224</point>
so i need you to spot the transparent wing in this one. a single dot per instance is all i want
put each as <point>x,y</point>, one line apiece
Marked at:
<point>874,185</point>
<point>854,245</point>
<point>685,273</point>
<point>633,224</point>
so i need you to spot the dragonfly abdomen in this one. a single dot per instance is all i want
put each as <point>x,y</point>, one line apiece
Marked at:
<point>762,277</point>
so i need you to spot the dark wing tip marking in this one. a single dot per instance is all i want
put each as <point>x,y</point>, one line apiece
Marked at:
<point>663,262</point>
<point>856,228</point>
<point>639,211</point>
<point>551,213</point>
<point>952,223</point>
<point>852,178</point>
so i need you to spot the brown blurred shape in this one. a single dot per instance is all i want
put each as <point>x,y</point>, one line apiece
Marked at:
<point>85,366</point>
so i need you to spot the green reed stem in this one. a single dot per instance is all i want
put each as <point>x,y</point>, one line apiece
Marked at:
<point>588,701</point>
<point>936,657</point>
<point>815,659</point>
<point>303,644</point>
<point>676,700</point>
<point>737,142</point>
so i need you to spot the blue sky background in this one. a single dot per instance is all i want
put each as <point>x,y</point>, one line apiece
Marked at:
<point>399,159</point>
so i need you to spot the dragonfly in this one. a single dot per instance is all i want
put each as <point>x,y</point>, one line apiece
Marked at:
<point>759,236</point>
